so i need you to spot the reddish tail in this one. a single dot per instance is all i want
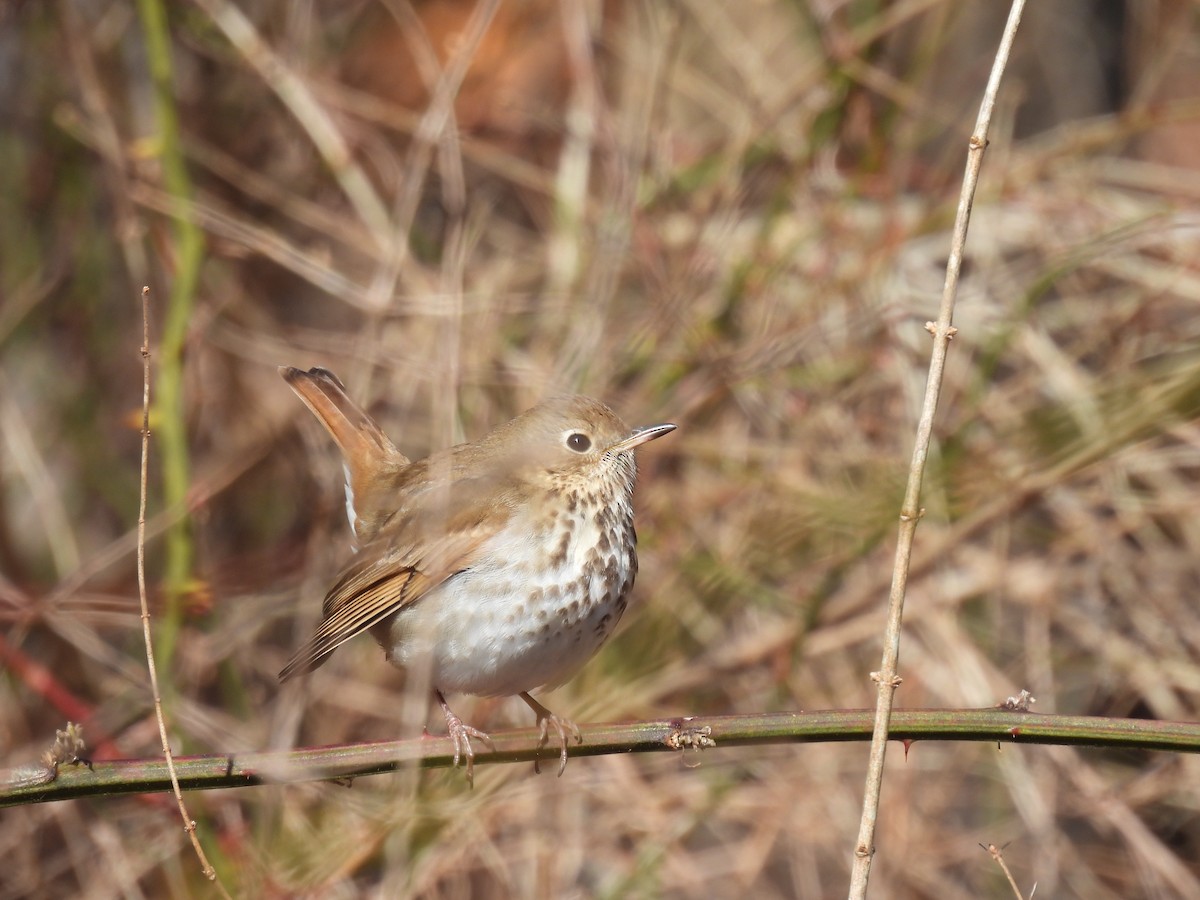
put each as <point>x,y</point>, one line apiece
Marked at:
<point>366,449</point>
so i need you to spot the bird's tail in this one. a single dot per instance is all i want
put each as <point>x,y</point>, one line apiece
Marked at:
<point>367,451</point>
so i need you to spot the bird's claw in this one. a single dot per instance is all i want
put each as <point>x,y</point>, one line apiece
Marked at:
<point>460,736</point>
<point>562,727</point>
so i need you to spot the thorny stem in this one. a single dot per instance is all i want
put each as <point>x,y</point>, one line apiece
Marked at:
<point>943,330</point>
<point>188,824</point>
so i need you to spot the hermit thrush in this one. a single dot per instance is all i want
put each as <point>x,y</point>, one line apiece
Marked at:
<point>502,565</point>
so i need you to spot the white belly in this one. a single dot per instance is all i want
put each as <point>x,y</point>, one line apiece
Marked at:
<point>510,623</point>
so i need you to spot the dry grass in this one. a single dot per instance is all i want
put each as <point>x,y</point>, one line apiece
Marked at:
<point>726,216</point>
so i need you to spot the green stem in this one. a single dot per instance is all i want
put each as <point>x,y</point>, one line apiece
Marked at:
<point>40,784</point>
<point>169,420</point>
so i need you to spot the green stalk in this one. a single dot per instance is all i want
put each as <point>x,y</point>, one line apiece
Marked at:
<point>691,737</point>
<point>168,418</point>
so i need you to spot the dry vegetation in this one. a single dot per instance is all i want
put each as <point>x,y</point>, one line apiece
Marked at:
<point>731,216</point>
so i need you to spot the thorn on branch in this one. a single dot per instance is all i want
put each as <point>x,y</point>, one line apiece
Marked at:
<point>894,682</point>
<point>993,851</point>
<point>932,328</point>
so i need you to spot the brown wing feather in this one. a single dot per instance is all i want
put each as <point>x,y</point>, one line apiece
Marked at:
<point>396,570</point>
<point>357,602</point>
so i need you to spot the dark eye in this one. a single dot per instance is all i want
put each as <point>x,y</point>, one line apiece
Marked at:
<point>580,443</point>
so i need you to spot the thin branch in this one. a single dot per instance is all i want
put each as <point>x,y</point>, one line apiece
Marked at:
<point>186,259</point>
<point>682,735</point>
<point>910,513</point>
<point>997,854</point>
<point>188,824</point>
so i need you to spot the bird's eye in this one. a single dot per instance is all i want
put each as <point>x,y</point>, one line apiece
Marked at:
<point>580,443</point>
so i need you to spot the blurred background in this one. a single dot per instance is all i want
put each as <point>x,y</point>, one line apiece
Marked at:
<point>732,216</point>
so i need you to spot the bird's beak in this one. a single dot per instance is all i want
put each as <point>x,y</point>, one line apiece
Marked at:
<point>641,436</point>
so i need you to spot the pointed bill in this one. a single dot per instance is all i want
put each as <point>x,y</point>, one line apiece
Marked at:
<point>641,436</point>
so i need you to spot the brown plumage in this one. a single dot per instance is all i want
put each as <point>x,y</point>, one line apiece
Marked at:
<point>502,564</point>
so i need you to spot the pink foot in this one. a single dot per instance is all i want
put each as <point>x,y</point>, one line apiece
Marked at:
<point>460,735</point>
<point>546,720</point>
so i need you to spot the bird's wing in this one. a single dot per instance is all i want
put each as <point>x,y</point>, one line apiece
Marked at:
<point>398,569</point>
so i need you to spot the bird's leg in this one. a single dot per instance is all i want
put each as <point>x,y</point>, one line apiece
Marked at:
<point>460,735</point>
<point>545,719</point>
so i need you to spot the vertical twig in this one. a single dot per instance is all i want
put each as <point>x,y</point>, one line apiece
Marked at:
<point>189,255</point>
<point>910,513</point>
<point>188,824</point>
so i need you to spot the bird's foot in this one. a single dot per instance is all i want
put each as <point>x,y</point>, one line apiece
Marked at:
<point>460,736</point>
<point>547,720</point>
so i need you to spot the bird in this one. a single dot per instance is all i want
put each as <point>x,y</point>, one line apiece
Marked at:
<point>501,565</point>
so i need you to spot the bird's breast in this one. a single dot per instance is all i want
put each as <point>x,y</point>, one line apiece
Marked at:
<point>541,598</point>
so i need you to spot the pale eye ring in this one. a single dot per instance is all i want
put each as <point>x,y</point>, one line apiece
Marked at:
<point>579,442</point>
